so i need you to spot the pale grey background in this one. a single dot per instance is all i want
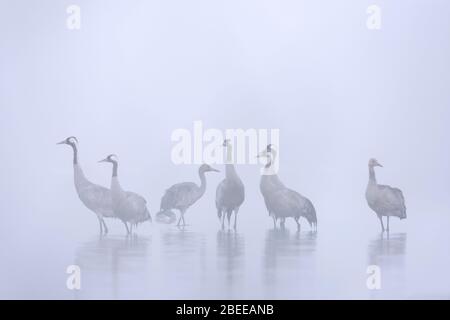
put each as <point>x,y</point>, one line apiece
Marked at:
<point>137,70</point>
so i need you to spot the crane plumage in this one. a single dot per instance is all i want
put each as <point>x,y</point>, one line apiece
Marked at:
<point>128,206</point>
<point>95,197</point>
<point>181,196</point>
<point>230,192</point>
<point>384,200</point>
<point>282,202</point>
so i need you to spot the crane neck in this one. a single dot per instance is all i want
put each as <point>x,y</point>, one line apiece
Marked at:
<point>115,168</point>
<point>270,160</point>
<point>202,176</point>
<point>230,170</point>
<point>372,177</point>
<point>75,153</point>
<point>270,167</point>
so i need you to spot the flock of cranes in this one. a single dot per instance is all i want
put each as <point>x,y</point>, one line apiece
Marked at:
<point>281,202</point>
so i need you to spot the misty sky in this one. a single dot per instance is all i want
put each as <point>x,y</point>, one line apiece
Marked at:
<point>138,70</point>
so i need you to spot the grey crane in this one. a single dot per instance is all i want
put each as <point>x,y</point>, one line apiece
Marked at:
<point>282,202</point>
<point>384,200</point>
<point>183,195</point>
<point>95,197</point>
<point>230,193</point>
<point>128,206</point>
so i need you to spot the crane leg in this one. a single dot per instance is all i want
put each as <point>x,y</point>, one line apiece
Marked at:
<point>179,220</point>
<point>298,223</point>
<point>235,217</point>
<point>381,221</point>
<point>229,213</point>
<point>282,221</point>
<point>131,228</point>
<point>223,220</point>
<point>182,217</point>
<point>274,222</point>
<point>104,226</point>
<point>387,229</point>
<point>100,224</point>
<point>126,226</point>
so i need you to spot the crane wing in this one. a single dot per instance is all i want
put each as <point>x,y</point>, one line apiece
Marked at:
<point>289,203</point>
<point>220,192</point>
<point>97,198</point>
<point>181,194</point>
<point>134,197</point>
<point>390,198</point>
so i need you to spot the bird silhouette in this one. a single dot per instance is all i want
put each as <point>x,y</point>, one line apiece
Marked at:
<point>282,202</point>
<point>128,206</point>
<point>230,192</point>
<point>183,195</point>
<point>95,197</point>
<point>384,200</point>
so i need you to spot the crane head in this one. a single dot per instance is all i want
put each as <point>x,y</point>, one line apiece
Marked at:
<point>374,163</point>
<point>111,158</point>
<point>70,141</point>
<point>266,153</point>
<point>207,168</point>
<point>226,143</point>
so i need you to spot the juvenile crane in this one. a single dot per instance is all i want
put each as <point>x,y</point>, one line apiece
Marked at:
<point>230,193</point>
<point>96,198</point>
<point>384,200</point>
<point>128,206</point>
<point>183,195</point>
<point>280,201</point>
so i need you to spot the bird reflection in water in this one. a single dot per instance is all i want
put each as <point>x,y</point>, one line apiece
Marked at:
<point>183,261</point>
<point>289,258</point>
<point>388,251</point>
<point>230,258</point>
<point>113,266</point>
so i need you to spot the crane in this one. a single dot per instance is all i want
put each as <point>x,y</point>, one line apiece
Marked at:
<point>230,192</point>
<point>282,202</point>
<point>384,200</point>
<point>183,195</point>
<point>95,197</point>
<point>128,206</point>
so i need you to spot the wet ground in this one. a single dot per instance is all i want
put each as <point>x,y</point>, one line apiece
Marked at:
<point>165,262</point>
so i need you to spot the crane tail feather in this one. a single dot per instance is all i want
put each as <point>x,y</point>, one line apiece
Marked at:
<point>165,217</point>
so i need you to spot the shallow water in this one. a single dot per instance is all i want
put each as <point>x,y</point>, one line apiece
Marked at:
<point>166,262</point>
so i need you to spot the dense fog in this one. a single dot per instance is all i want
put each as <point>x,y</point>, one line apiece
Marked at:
<point>136,71</point>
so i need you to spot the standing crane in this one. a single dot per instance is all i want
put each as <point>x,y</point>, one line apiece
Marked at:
<point>128,206</point>
<point>183,195</point>
<point>230,193</point>
<point>384,200</point>
<point>96,198</point>
<point>280,201</point>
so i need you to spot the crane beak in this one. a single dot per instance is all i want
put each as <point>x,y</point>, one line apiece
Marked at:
<point>262,154</point>
<point>214,170</point>
<point>379,165</point>
<point>104,160</point>
<point>62,142</point>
